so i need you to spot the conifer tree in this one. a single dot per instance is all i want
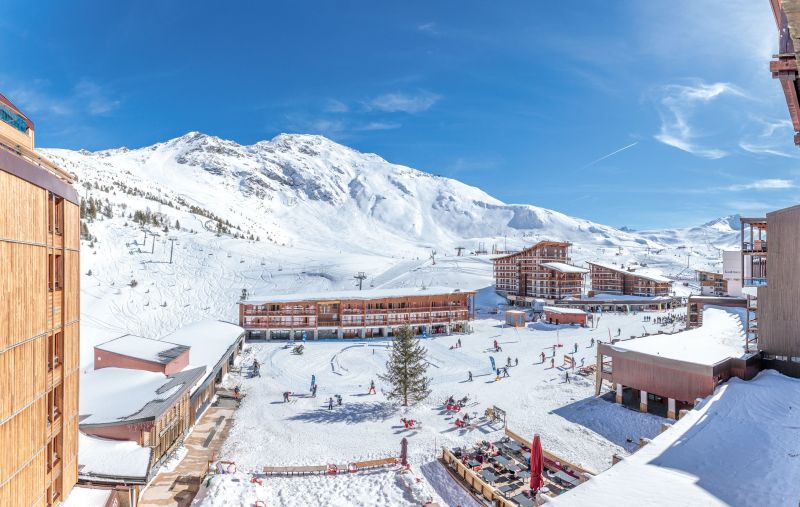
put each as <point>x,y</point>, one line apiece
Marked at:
<point>406,369</point>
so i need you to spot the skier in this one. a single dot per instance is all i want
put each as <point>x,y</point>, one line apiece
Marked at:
<point>552,362</point>
<point>314,391</point>
<point>330,403</point>
<point>286,396</point>
<point>459,343</point>
<point>469,376</point>
<point>583,359</point>
<point>592,342</point>
<point>542,356</point>
<point>313,381</point>
<point>496,345</point>
<point>516,361</point>
<point>339,399</point>
<point>619,331</point>
<point>575,349</point>
<point>371,387</point>
<point>505,372</point>
<point>566,377</point>
<point>508,361</point>
<point>236,392</point>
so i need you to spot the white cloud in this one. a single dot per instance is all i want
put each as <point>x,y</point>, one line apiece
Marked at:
<point>676,107</point>
<point>94,98</point>
<point>378,125</point>
<point>336,106</point>
<point>405,103</point>
<point>765,184</point>
<point>429,27</point>
<point>36,98</point>
<point>773,136</point>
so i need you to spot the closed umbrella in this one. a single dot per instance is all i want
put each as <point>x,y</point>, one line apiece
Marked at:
<point>537,464</point>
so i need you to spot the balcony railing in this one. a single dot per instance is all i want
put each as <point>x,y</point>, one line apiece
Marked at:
<point>755,282</point>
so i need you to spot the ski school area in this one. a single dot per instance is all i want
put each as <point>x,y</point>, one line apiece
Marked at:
<point>311,430</point>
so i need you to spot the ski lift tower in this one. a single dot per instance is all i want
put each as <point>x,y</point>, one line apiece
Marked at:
<point>360,277</point>
<point>459,251</point>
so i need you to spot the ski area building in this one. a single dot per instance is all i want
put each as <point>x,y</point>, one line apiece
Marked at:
<point>564,315</point>
<point>540,271</point>
<point>39,319</point>
<point>712,284</point>
<point>609,279</point>
<point>668,372</point>
<point>144,396</point>
<point>357,314</point>
<point>696,305</point>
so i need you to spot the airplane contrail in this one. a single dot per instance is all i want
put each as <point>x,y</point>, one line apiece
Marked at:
<point>593,162</point>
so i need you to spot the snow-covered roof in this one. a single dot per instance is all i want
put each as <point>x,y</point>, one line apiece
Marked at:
<point>155,351</point>
<point>115,395</point>
<point>647,275</point>
<point>720,337</point>
<point>738,447</point>
<point>355,295</point>
<point>563,267</point>
<point>84,496</point>
<point>564,310</point>
<point>602,297</point>
<point>112,459</point>
<point>210,340</point>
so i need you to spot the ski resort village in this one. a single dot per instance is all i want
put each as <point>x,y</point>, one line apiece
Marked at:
<point>295,322</point>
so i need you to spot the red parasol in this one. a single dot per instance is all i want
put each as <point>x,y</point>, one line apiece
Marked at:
<point>537,464</point>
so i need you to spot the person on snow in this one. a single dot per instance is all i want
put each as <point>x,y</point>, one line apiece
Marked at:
<point>583,359</point>
<point>236,392</point>
<point>552,362</point>
<point>459,343</point>
<point>516,361</point>
<point>496,345</point>
<point>469,376</point>
<point>575,349</point>
<point>330,403</point>
<point>314,391</point>
<point>566,377</point>
<point>542,356</point>
<point>371,387</point>
<point>592,342</point>
<point>286,396</point>
<point>505,372</point>
<point>339,399</point>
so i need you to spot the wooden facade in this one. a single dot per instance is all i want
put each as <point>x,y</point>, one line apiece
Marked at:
<point>39,322</point>
<point>611,280</point>
<point>695,305</point>
<point>357,316</point>
<point>523,277</point>
<point>779,296</point>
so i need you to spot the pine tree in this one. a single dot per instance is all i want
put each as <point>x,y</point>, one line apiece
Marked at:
<point>406,369</point>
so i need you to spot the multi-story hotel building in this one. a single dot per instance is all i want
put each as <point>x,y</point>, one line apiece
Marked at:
<point>39,315</point>
<point>541,271</point>
<point>608,279</point>
<point>357,314</point>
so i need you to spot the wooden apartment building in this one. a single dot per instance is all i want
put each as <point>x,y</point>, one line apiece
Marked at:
<point>541,271</point>
<point>357,314</point>
<point>609,279</point>
<point>39,320</point>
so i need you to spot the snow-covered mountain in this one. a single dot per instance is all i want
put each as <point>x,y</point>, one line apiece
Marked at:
<point>308,191</point>
<point>303,212</point>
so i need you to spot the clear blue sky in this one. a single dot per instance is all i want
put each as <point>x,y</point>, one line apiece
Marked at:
<point>521,98</point>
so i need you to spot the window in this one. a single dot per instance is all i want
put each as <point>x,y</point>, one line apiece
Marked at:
<point>55,272</point>
<point>55,215</point>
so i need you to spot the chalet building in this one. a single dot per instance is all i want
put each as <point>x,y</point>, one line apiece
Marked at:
<point>753,258</point>
<point>143,397</point>
<point>357,314</point>
<point>540,271</point>
<point>39,320</point>
<point>712,284</point>
<point>665,373</point>
<point>609,279</point>
<point>778,320</point>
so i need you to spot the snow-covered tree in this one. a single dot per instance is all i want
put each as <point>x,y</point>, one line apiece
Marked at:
<point>406,368</point>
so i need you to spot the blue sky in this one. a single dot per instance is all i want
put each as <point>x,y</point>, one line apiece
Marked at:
<point>643,114</point>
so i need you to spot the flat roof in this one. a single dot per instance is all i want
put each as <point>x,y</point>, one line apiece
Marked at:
<point>539,244</point>
<point>146,349</point>
<point>102,458</point>
<point>724,452</point>
<point>648,276</point>
<point>110,396</point>
<point>355,295</point>
<point>720,337</point>
<point>564,310</point>
<point>210,341</point>
<point>564,267</point>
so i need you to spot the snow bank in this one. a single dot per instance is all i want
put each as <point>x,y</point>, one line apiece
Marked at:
<point>738,447</point>
<point>156,351</point>
<point>111,394</point>
<point>82,496</point>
